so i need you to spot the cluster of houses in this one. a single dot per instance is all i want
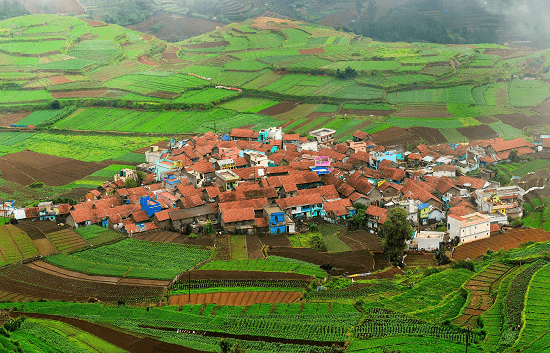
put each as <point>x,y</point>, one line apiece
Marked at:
<point>269,182</point>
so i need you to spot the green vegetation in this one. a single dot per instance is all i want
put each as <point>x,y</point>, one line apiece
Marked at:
<point>15,245</point>
<point>125,259</point>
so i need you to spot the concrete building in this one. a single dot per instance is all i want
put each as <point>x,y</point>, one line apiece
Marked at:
<point>427,241</point>
<point>256,159</point>
<point>323,135</point>
<point>227,179</point>
<point>470,227</point>
<point>278,221</point>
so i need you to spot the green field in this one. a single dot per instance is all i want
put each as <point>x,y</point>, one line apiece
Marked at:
<point>125,259</point>
<point>15,245</point>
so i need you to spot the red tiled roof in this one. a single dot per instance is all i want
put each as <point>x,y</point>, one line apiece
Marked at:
<point>79,215</point>
<point>240,161</point>
<point>244,133</point>
<point>260,222</point>
<point>375,211</point>
<point>388,184</point>
<point>291,137</point>
<point>256,204</point>
<point>212,191</point>
<point>414,156</point>
<point>338,207</point>
<point>509,145</point>
<point>140,216</point>
<point>191,201</point>
<point>476,183</point>
<point>186,190</point>
<point>164,214</point>
<point>231,215</point>
<point>360,134</point>
<point>488,159</point>
<point>460,211</point>
<point>277,170</point>
<point>355,196</point>
<point>346,189</point>
<point>266,192</point>
<point>327,191</point>
<point>203,167</point>
<point>64,208</point>
<point>299,201</point>
<point>495,227</point>
<point>31,212</point>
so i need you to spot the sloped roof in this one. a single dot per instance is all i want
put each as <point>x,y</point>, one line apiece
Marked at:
<point>231,215</point>
<point>244,133</point>
<point>509,145</point>
<point>338,207</point>
<point>299,201</point>
<point>375,211</point>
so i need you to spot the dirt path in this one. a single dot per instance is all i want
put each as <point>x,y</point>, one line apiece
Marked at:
<point>123,340</point>
<point>254,247</point>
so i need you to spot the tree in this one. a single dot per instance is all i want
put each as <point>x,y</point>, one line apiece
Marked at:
<point>130,183</point>
<point>237,348</point>
<point>141,175</point>
<point>225,346</point>
<point>396,230</point>
<point>55,104</point>
<point>513,156</point>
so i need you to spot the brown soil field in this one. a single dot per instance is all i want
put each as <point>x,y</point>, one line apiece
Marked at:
<point>158,237</point>
<point>120,339</point>
<point>314,115</point>
<point>536,179</point>
<point>207,45</point>
<point>424,112</point>
<point>429,134</point>
<point>279,108</point>
<point>360,261</point>
<point>45,227</point>
<point>481,286</point>
<point>56,80</point>
<point>544,108</point>
<point>32,231</point>
<point>237,298</point>
<point>175,27</point>
<point>288,123</point>
<point>254,247</point>
<point>272,23</point>
<point>146,61</point>
<point>26,167</point>
<point>32,282</point>
<point>9,119</point>
<point>486,119</point>
<point>275,241</point>
<point>45,248</point>
<point>64,273</point>
<point>479,132</point>
<point>94,23</point>
<point>88,93</point>
<point>519,121</point>
<point>15,297</point>
<point>361,112</point>
<point>242,275</point>
<point>361,240</point>
<point>311,51</point>
<point>67,240</point>
<point>164,94</point>
<point>223,247</point>
<point>162,145</point>
<point>506,241</point>
<point>420,259</point>
<point>394,136</point>
<point>381,261</point>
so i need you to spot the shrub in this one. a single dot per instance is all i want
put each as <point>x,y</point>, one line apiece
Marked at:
<point>36,185</point>
<point>431,271</point>
<point>469,265</point>
<point>318,243</point>
<point>193,235</point>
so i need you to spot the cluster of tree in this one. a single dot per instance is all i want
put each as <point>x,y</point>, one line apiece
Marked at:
<point>347,73</point>
<point>129,12</point>
<point>12,8</point>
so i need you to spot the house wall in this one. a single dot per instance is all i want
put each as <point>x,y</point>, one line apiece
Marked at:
<point>468,232</point>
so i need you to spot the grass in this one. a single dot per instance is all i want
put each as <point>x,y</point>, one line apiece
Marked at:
<point>331,234</point>
<point>238,247</point>
<point>97,235</point>
<point>302,240</point>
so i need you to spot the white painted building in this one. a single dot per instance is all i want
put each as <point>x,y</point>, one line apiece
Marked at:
<point>470,227</point>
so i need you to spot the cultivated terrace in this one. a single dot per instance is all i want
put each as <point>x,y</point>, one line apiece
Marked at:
<point>272,185</point>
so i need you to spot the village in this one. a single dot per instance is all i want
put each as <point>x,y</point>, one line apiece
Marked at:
<point>268,182</point>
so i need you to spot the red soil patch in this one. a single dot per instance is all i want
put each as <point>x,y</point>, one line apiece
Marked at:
<point>504,241</point>
<point>429,134</point>
<point>479,132</point>
<point>288,123</point>
<point>89,93</point>
<point>94,23</point>
<point>146,61</point>
<point>272,23</point>
<point>254,247</point>
<point>279,108</point>
<point>9,119</point>
<point>520,121</point>
<point>237,298</point>
<point>45,248</point>
<point>311,51</point>
<point>56,80</point>
<point>26,167</point>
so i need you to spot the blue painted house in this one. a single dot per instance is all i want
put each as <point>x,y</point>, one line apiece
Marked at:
<point>149,205</point>
<point>278,221</point>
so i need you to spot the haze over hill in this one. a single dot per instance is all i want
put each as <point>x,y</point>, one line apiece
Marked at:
<point>436,21</point>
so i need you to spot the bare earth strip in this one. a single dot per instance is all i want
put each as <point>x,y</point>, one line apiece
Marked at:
<point>230,298</point>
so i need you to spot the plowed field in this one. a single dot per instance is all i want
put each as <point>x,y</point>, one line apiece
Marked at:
<point>479,132</point>
<point>254,247</point>
<point>279,108</point>
<point>362,240</point>
<point>243,275</point>
<point>424,112</point>
<point>428,134</point>
<point>519,121</point>
<point>360,261</point>
<point>32,282</point>
<point>27,167</point>
<point>276,241</point>
<point>237,298</point>
<point>159,237</point>
<point>9,119</point>
<point>504,241</point>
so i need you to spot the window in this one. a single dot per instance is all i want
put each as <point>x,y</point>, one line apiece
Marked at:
<point>448,225</point>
